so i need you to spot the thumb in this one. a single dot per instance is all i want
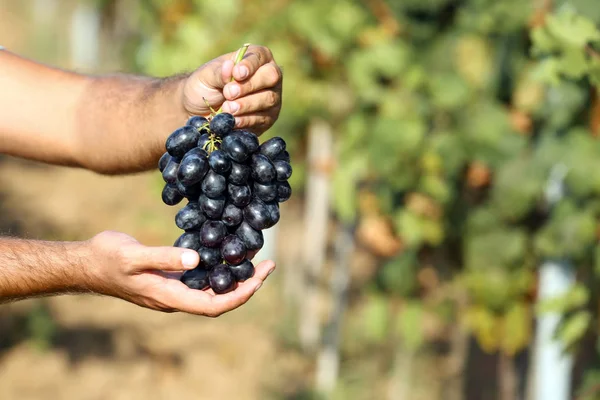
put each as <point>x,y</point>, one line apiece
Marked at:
<point>164,259</point>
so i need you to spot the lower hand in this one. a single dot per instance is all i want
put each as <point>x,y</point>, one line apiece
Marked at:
<point>254,97</point>
<point>121,267</point>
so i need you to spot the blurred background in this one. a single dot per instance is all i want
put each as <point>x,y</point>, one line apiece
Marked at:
<point>442,240</point>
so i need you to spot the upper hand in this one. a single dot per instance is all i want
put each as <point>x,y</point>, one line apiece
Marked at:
<point>254,97</point>
<point>121,267</point>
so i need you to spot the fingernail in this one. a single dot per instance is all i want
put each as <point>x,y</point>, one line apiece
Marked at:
<point>233,107</point>
<point>188,259</point>
<point>243,72</point>
<point>257,287</point>
<point>234,91</point>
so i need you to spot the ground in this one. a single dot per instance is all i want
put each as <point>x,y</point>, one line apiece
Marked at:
<point>109,349</point>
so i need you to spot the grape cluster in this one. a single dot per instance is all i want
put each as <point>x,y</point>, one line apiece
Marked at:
<point>233,186</point>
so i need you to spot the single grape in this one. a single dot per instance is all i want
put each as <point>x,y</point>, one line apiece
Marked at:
<point>235,148</point>
<point>204,138</point>
<point>197,122</point>
<point>272,147</point>
<point>221,279</point>
<point>262,169</point>
<point>250,254</point>
<point>232,216</point>
<point>190,217</point>
<point>195,279</point>
<point>212,233</point>
<point>219,162</point>
<point>181,141</point>
<point>233,249</point>
<point>242,271</point>
<point>222,124</point>
<point>169,174</point>
<point>248,138</point>
<point>252,238</point>
<point>274,215</point>
<point>192,169</point>
<point>170,195</point>
<point>284,191</point>
<point>188,240</point>
<point>198,152</point>
<point>266,192</point>
<point>164,160</point>
<point>283,170</point>
<point>189,192</point>
<point>258,215</point>
<point>239,195</point>
<point>209,257</point>
<point>212,208</point>
<point>214,185</point>
<point>283,156</point>
<point>239,173</point>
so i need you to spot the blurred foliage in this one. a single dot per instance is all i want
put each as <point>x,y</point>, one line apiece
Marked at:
<point>455,114</point>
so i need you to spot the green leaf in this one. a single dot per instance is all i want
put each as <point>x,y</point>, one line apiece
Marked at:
<point>516,329</point>
<point>345,184</point>
<point>399,274</point>
<point>575,297</point>
<point>572,29</point>
<point>410,324</point>
<point>574,327</point>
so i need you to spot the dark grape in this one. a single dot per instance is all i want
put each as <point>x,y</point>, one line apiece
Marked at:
<point>252,238</point>
<point>272,147</point>
<point>248,138</point>
<point>283,170</point>
<point>273,209</point>
<point>219,162</point>
<point>257,215</point>
<point>242,271</point>
<point>188,240</point>
<point>196,279</point>
<point>235,148</point>
<point>197,151</point>
<point>189,192</point>
<point>209,257</point>
<point>222,124</point>
<point>262,169</point>
<point>214,185</point>
<point>192,169</point>
<point>221,279</point>
<point>170,195</point>
<point>212,233</point>
<point>197,122</point>
<point>265,192</point>
<point>164,160</point>
<point>239,173</point>
<point>283,156</point>
<point>250,254</point>
<point>232,216</point>
<point>190,217</point>
<point>204,138</point>
<point>239,195</point>
<point>169,174</point>
<point>212,208</point>
<point>233,249</point>
<point>182,140</point>
<point>284,191</point>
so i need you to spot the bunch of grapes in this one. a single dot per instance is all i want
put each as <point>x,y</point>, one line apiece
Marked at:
<point>233,186</point>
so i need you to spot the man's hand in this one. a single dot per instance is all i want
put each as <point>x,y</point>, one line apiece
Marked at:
<point>149,276</point>
<point>254,97</point>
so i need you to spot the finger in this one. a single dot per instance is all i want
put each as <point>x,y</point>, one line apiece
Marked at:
<point>227,70</point>
<point>258,122</point>
<point>267,77</point>
<point>164,258</point>
<point>255,57</point>
<point>255,102</point>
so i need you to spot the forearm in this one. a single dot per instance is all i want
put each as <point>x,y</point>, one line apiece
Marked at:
<point>110,124</point>
<point>31,268</point>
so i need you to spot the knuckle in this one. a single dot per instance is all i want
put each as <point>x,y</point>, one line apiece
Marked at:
<point>272,98</point>
<point>273,75</point>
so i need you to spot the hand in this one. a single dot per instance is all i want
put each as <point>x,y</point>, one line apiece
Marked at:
<point>254,97</point>
<point>149,276</point>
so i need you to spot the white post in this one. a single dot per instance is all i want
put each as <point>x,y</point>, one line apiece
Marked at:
<point>85,37</point>
<point>552,370</point>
